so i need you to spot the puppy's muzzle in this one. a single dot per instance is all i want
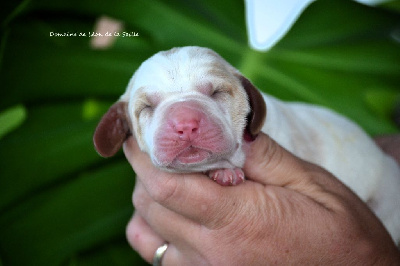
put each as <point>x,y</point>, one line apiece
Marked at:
<point>190,134</point>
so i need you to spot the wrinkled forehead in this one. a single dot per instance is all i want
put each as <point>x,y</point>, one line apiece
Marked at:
<point>181,68</point>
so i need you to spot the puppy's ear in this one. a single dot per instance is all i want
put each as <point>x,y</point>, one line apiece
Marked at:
<point>257,115</point>
<point>112,130</point>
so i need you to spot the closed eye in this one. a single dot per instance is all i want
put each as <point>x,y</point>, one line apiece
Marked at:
<point>143,108</point>
<point>220,92</point>
<point>147,107</point>
<point>215,93</point>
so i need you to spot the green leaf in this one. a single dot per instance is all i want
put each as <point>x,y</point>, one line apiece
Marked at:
<point>94,109</point>
<point>116,253</point>
<point>46,145</point>
<point>383,102</point>
<point>11,118</point>
<point>392,5</point>
<point>70,218</point>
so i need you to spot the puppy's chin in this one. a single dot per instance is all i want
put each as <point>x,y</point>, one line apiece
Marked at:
<point>191,155</point>
<point>194,159</point>
<point>198,162</point>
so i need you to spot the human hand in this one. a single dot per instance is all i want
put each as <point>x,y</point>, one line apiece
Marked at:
<point>287,212</point>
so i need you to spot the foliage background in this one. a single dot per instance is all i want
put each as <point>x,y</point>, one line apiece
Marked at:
<point>60,203</point>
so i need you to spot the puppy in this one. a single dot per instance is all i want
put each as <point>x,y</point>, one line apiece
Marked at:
<point>191,111</point>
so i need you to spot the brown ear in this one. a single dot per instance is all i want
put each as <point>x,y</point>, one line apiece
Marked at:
<point>257,115</point>
<point>112,130</point>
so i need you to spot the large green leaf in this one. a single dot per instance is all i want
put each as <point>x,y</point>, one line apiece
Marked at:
<point>60,203</point>
<point>68,218</point>
<point>11,118</point>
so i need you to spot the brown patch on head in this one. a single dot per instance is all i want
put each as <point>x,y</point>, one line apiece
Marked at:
<point>219,70</point>
<point>228,88</point>
<point>169,52</point>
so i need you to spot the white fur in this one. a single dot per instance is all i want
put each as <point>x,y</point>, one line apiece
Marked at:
<point>313,133</point>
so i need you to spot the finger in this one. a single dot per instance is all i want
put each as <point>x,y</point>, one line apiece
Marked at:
<point>194,196</point>
<point>145,241</point>
<point>169,225</point>
<point>161,223</point>
<point>142,238</point>
<point>269,163</point>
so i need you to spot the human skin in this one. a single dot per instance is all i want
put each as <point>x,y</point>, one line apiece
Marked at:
<point>287,212</point>
<point>390,144</point>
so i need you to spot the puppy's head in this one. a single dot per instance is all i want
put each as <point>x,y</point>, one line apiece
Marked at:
<point>188,109</point>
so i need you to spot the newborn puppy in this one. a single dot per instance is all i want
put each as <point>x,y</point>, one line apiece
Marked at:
<point>191,111</point>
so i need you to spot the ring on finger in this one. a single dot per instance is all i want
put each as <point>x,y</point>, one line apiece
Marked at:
<point>158,255</point>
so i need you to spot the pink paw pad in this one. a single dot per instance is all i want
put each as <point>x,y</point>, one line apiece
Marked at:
<point>227,177</point>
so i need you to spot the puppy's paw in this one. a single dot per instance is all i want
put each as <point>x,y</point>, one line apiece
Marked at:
<point>227,177</point>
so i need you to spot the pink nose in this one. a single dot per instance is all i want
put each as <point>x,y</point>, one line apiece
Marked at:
<point>187,129</point>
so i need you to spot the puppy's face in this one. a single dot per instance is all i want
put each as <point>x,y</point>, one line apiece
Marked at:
<point>189,110</point>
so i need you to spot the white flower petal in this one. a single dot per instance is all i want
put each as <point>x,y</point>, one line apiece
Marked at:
<point>268,21</point>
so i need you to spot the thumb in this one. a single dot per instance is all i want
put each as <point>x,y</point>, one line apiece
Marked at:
<point>270,164</point>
